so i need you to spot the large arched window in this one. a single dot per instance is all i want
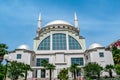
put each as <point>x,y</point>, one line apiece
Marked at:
<point>73,44</point>
<point>45,44</point>
<point>59,41</point>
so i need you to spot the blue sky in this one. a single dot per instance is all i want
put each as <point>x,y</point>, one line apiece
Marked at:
<point>99,20</point>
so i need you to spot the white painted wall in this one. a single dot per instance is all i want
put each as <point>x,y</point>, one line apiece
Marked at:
<point>93,56</point>
<point>25,58</point>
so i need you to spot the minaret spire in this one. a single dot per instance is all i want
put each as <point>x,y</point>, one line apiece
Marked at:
<point>39,21</point>
<point>76,21</point>
<point>39,24</point>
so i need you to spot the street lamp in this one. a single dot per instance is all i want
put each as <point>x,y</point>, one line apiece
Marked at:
<point>8,59</point>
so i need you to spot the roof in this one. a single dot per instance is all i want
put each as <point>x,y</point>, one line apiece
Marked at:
<point>57,22</point>
<point>23,46</point>
<point>95,45</point>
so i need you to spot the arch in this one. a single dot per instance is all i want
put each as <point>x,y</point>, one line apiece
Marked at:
<point>59,41</point>
<point>73,44</point>
<point>45,44</point>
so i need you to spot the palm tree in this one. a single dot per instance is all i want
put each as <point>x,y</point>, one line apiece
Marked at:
<point>74,69</point>
<point>50,67</point>
<point>15,70</point>
<point>44,63</point>
<point>63,74</point>
<point>109,68</point>
<point>26,68</point>
<point>92,69</point>
<point>3,51</point>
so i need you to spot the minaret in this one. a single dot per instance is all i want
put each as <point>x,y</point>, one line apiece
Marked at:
<point>39,21</point>
<point>39,24</point>
<point>76,21</point>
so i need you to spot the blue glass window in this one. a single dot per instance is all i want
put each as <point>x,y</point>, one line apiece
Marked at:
<point>73,44</point>
<point>39,60</point>
<point>19,56</point>
<point>45,44</point>
<point>101,54</point>
<point>59,41</point>
<point>78,61</point>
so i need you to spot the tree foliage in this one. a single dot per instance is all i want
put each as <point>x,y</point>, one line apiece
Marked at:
<point>116,58</point>
<point>75,69</point>
<point>48,66</point>
<point>93,70</point>
<point>2,72</point>
<point>26,68</point>
<point>17,69</point>
<point>63,74</point>
<point>109,69</point>
<point>116,55</point>
<point>117,68</point>
<point>3,51</point>
<point>44,63</point>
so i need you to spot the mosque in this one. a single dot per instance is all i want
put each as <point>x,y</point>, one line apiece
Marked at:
<point>61,44</point>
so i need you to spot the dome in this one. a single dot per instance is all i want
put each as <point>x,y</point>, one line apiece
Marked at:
<point>56,22</point>
<point>94,45</point>
<point>23,47</point>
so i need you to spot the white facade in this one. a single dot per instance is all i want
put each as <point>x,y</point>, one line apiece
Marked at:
<point>22,54</point>
<point>61,58</point>
<point>97,53</point>
<point>61,44</point>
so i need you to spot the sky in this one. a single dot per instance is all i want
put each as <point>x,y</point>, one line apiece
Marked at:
<point>99,20</point>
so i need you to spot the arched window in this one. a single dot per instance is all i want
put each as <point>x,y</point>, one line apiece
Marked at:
<point>59,41</point>
<point>73,44</point>
<point>45,44</point>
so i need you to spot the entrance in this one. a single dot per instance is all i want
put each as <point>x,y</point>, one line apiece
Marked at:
<point>43,73</point>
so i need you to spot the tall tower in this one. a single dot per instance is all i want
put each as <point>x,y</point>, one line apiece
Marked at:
<point>39,21</point>
<point>76,21</point>
<point>39,24</point>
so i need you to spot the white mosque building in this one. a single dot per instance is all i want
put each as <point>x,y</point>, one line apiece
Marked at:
<point>61,44</point>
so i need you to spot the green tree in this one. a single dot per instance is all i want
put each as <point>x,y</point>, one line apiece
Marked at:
<point>3,51</point>
<point>18,69</point>
<point>26,68</point>
<point>109,69</point>
<point>50,67</point>
<point>63,74</point>
<point>74,69</point>
<point>116,58</point>
<point>116,55</point>
<point>92,70</point>
<point>117,68</point>
<point>14,70</point>
<point>2,72</point>
<point>44,63</point>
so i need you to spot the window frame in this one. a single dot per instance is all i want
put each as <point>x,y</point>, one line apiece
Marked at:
<point>19,56</point>
<point>80,59</point>
<point>101,54</point>
<point>73,43</point>
<point>38,63</point>
<point>59,39</point>
<point>44,44</point>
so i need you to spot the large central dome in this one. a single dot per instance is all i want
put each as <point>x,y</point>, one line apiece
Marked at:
<point>58,22</point>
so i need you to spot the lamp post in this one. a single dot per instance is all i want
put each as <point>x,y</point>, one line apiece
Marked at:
<point>8,59</point>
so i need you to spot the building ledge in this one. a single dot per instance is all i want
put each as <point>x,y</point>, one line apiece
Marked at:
<point>59,63</point>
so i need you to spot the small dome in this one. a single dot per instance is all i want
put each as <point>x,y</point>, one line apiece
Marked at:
<point>94,45</point>
<point>56,22</point>
<point>23,47</point>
